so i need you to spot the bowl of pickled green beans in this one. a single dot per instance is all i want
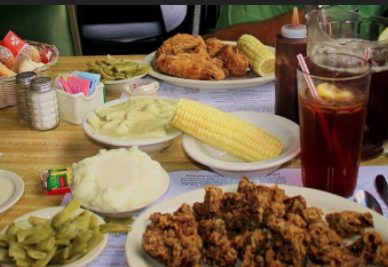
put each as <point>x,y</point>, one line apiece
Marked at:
<point>56,236</point>
<point>117,72</point>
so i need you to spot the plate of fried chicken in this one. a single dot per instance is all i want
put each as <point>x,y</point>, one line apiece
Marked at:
<point>252,224</point>
<point>189,61</point>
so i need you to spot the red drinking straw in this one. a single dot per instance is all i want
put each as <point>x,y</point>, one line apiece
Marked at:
<point>367,53</point>
<point>310,83</point>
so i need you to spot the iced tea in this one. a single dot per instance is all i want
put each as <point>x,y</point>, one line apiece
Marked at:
<point>331,142</point>
<point>332,120</point>
<point>376,128</point>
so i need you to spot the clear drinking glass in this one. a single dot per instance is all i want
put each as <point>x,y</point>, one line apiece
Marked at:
<point>332,124</point>
<point>336,30</point>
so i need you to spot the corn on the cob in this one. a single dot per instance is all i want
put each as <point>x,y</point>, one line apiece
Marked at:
<point>225,131</point>
<point>261,58</point>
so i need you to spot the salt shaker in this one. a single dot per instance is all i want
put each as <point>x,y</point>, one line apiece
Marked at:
<point>23,81</point>
<point>44,104</point>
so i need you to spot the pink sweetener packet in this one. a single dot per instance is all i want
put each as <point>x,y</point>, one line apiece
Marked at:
<point>78,85</point>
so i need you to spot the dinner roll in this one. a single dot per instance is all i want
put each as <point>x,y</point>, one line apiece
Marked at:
<point>4,71</point>
<point>30,52</point>
<point>6,57</point>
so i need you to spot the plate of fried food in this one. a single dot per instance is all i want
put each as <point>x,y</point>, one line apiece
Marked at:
<point>188,61</point>
<point>252,224</point>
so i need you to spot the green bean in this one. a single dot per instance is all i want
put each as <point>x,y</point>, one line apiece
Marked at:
<point>23,262</point>
<point>22,234</point>
<point>125,221</point>
<point>4,257</point>
<point>95,239</point>
<point>65,214</point>
<point>12,230</point>
<point>93,221</point>
<point>119,75</point>
<point>81,223</point>
<point>143,70</point>
<point>108,71</point>
<point>67,231</point>
<point>16,251</point>
<point>35,254</point>
<point>62,242</point>
<point>79,245</point>
<point>114,228</point>
<point>105,76</point>
<point>45,261</point>
<point>46,244</point>
<point>37,221</point>
<point>73,258</point>
<point>60,256</point>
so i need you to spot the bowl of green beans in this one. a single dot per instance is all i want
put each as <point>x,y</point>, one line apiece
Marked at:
<point>117,72</point>
<point>56,236</point>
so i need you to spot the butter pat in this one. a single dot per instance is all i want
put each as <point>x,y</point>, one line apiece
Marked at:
<point>118,180</point>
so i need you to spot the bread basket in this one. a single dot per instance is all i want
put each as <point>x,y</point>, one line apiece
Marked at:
<point>8,84</point>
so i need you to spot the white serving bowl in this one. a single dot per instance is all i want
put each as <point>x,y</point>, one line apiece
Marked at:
<point>230,166</point>
<point>128,212</point>
<point>149,146</point>
<point>119,85</point>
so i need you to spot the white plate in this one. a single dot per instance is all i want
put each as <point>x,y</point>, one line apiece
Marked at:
<point>329,203</point>
<point>285,130</point>
<point>149,146</point>
<point>48,213</point>
<point>231,82</point>
<point>18,184</point>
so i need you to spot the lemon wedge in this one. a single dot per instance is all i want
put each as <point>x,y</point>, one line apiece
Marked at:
<point>331,92</point>
<point>383,35</point>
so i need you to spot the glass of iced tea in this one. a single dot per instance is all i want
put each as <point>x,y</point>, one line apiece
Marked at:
<point>336,30</point>
<point>332,120</point>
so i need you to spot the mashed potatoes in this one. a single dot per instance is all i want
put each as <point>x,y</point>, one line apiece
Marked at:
<point>118,179</point>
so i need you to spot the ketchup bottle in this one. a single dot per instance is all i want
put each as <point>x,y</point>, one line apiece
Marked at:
<point>289,43</point>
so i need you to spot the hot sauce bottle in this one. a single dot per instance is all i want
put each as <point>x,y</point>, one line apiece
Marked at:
<point>289,43</point>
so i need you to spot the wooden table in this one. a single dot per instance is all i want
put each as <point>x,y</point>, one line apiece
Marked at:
<point>28,152</point>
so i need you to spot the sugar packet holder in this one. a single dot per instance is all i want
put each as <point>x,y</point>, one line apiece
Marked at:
<point>78,82</point>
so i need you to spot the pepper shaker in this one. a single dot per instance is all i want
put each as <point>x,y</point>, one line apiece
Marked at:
<point>23,81</point>
<point>44,104</point>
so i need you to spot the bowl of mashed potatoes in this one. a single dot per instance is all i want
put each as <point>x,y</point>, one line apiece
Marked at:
<point>117,182</point>
<point>142,121</point>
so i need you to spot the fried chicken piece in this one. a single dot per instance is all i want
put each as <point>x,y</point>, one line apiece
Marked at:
<point>264,202</point>
<point>211,204</point>
<point>327,248</point>
<point>371,248</point>
<point>312,215</point>
<point>173,239</point>
<point>182,43</point>
<point>289,243</point>
<point>235,61</point>
<point>252,242</point>
<point>219,249</point>
<point>349,223</point>
<point>190,66</point>
<point>333,256</point>
<point>213,46</point>
<point>321,234</point>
